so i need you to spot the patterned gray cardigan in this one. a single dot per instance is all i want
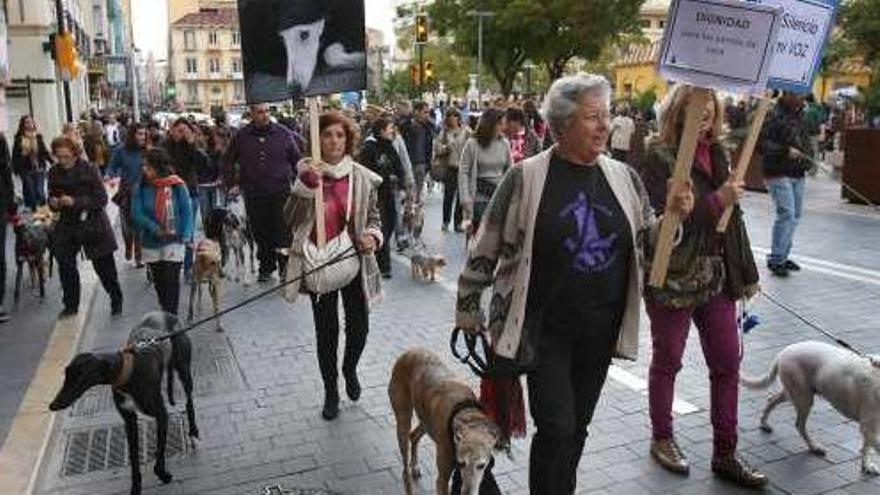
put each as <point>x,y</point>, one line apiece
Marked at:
<point>501,256</point>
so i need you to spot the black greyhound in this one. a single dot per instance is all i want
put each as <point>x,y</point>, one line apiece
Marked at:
<point>136,376</point>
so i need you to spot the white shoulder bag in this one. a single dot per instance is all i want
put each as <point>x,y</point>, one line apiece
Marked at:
<point>337,263</point>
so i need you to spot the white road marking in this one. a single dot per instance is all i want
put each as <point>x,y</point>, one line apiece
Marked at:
<point>839,270</point>
<point>616,373</point>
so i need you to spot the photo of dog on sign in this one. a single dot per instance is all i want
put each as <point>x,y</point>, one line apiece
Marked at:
<point>294,48</point>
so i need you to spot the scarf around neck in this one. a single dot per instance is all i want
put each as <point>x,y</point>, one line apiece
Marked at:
<point>164,200</point>
<point>338,171</point>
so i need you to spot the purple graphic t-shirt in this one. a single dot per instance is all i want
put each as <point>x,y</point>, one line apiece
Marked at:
<point>582,249</point>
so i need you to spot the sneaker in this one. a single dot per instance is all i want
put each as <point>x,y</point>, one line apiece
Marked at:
<point>778,269</point>
<point>331,405</point>
<point>733,469</point>
<point>668,455</point>
<point>444,227</point>
<point>792,266</point>
<point>4,317</point>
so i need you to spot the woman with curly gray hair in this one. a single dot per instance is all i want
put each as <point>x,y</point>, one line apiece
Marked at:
<point>561,244</point>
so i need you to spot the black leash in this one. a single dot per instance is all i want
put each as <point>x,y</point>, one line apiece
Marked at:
<point>839,341</point>
<point>472,357</point>
<point>351,252</point>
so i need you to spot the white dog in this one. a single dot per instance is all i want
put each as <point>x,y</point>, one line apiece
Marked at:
<point>328,32</point>
<point>849,382</point>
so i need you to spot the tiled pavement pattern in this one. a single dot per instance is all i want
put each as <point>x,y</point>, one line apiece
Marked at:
<point>264,428</point>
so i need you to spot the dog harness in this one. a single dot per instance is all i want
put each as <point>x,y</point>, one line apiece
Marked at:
<point>125,369</point>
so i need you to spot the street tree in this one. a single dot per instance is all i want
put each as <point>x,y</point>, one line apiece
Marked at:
<point>504,49</point>
<point>860,19</point>
<point>558,31</point>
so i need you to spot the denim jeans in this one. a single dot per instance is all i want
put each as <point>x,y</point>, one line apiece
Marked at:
<point>33,189</point>
<point>788,197</point>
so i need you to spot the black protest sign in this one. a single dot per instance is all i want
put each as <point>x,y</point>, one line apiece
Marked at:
<point>293,48</point>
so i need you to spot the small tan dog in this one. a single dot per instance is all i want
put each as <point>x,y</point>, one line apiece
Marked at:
<point>448,412</point>
<point>425,266</point>
<point>206,270</point>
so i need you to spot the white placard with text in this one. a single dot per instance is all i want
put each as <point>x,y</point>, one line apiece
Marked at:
<point>799,46</point>
<point>722,44</point>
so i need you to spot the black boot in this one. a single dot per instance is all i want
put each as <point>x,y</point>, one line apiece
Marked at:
<point>352,385</point>
<point>331,403</point>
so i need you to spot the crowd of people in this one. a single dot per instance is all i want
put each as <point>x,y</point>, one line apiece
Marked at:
<point>562,206</point>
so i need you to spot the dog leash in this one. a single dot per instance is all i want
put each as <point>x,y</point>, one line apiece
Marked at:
<point>838,340</point>
<point>472,358</point>
<point>351,252</point>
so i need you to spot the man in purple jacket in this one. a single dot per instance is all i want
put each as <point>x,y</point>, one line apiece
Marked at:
<point>266,155</point>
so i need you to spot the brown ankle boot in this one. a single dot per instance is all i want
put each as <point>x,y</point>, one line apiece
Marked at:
<point>733,469</point>
<point>668,455</point>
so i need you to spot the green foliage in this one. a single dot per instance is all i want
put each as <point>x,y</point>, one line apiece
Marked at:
<point>645,100</point>
<point>861,21</point>
<point>551,33</point>
<point>396,86</point>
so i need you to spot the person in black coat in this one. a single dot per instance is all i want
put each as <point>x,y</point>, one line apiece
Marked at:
<point>77,191</point>
<point>188,161</point>
<point>7,210</point>
<point>30,159</point>
<point>378,154</point>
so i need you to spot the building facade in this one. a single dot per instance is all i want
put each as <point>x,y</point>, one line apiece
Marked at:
<point>35,83</point>
<point>205,60</point>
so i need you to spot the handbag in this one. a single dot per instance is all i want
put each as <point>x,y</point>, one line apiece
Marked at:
<point>335,265</point>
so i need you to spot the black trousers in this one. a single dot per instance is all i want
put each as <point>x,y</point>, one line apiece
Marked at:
<point>3,230</point>
<point>450,197</point>
<point>325,309</point>
<point>266,217</point>
<point>563,391</point>
<point>388,212</point>
<point>166,279</point>
<point>68,272</point>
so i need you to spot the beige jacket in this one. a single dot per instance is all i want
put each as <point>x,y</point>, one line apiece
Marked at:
<point>501,256</point>
<point>299,215</point>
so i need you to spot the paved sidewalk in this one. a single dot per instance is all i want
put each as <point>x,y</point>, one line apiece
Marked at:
<point>258,391</point>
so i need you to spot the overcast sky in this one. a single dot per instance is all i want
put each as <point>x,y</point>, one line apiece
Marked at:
<point>150,23</point>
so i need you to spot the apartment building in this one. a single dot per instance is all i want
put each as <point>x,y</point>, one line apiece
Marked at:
<point>205,60</point>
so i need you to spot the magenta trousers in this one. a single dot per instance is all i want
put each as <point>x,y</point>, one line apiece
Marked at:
<point>719,336</point>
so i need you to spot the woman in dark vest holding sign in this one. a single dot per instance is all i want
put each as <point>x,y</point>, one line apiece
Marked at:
<point>708,273</point>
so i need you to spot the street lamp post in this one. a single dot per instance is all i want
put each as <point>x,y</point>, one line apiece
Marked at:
<point>65,83</point>
<point>480,15</point>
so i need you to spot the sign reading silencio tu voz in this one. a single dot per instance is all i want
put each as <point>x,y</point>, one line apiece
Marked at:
<point>723,44</point>
<point>805,27</point>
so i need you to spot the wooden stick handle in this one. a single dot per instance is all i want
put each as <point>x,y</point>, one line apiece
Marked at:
<point>315,139</point>
<point>745,155</point>
<point>686,149</point>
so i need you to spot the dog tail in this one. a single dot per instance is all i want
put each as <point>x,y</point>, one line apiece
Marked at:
<point>761,382</point>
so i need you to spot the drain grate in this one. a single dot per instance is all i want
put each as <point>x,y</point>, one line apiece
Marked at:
<point>106,447</point>
<point>214,367</point>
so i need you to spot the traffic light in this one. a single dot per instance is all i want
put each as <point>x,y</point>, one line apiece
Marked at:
<point>66,55</point>
<point>429,72</point>
<point>421,28</point>
<point>415,76</point>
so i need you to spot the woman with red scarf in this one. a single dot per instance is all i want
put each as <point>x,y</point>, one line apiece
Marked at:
<point>708,273</point>
<point>162,212</point>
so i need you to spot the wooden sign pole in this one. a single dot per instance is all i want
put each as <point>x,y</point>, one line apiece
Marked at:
<point>687,147</point>
<point>745,156</point>
<point>315,139</point>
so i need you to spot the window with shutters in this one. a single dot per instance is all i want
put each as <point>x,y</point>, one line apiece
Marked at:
<point>189,40</point>
<point>192,65</point>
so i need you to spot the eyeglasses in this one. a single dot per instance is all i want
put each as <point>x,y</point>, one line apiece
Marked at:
<point>598,116</point>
